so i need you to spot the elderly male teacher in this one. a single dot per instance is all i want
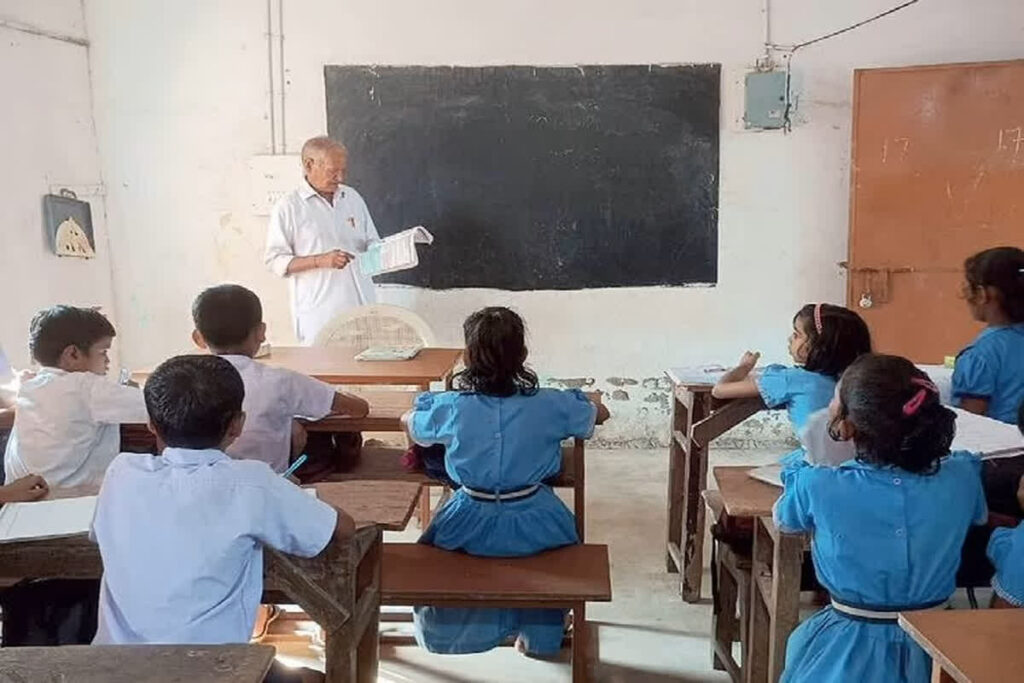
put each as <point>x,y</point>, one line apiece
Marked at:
<point>313,235</point>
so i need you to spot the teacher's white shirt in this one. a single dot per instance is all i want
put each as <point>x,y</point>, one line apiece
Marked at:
<point>303,223</point>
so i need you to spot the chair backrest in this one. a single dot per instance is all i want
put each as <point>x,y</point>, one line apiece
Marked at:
<point>376,325</point>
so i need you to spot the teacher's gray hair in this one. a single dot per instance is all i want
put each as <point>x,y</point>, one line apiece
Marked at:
<point>314,148</point>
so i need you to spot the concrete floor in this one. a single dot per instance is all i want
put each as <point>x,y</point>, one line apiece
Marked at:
<point>647,634</point>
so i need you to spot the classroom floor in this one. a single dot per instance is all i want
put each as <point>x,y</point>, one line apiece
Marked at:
<point>647,634</point>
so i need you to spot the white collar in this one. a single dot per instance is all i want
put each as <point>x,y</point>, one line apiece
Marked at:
<point>188,456</point>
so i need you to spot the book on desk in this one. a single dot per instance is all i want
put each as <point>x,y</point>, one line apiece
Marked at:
<point>55,518</point>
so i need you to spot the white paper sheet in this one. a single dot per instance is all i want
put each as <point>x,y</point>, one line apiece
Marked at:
<point>395,252</point>
<point>46,518</point>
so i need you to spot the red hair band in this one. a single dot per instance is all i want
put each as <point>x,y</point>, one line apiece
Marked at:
<point>915,402</point>
<point>817,318</point>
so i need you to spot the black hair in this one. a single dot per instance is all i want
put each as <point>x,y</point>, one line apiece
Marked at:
<point>226,314</point>
<point>193,399</point>
<point>877,395</point>
<point>1001,268</point>
<point>496,355</point>
<point>58,327</point>
<point>843,338</point>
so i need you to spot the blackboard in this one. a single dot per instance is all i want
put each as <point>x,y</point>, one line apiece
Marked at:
<point>538,177</point>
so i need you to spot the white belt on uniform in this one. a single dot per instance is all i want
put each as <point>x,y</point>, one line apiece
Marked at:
<point>874,614</point>
<point>512,495</point>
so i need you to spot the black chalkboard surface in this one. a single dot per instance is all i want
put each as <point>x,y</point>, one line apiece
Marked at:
<point>538,178</point>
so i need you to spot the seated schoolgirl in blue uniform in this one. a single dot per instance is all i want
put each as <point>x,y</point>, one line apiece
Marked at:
<point>887,527</point>
<point>989,374</point>
<point>502,437</point>
<point>825,340</point>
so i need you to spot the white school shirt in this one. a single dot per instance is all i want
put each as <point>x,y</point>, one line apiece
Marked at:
<point>67,426</point>
<point>273,398</point>
<point>182,536</point>
<point>303,223</point>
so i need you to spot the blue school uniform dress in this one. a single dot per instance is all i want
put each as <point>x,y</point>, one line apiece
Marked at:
<point>884,540</point>
<point>992,367</point>
<point>502,446</point>
<point>801,392</point>
<point>1006,552</point>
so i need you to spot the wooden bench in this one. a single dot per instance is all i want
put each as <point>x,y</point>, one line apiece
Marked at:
<point>131,663</point>
<point>385,463</point>
<point>566,578</point>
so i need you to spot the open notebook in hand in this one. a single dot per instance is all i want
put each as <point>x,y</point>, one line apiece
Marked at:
<point>46,519</point>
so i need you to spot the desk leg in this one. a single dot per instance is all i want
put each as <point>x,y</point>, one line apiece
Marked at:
<point>939,674</point>
<point>680,425</point>
<point>696,475</point>
<point>774,599</point>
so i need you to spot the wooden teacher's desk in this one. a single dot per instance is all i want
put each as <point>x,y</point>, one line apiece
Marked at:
<point>339,588</point>
<point>337,365</point>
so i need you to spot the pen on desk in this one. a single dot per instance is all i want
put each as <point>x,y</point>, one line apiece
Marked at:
<point>295,465</point>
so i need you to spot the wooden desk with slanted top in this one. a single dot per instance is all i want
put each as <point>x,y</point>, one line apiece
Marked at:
<point>338,365</point>
<point>697,419</point>
<point>970,646</point>
<point>339,588</point>
<point>133,663</point>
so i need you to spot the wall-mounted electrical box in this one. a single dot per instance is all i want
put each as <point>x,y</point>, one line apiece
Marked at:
<point>765,100</point>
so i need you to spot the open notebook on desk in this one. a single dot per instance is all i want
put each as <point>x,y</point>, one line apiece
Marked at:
<point>46,519</point>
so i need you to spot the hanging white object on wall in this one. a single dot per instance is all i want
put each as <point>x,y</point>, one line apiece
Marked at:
<point>68,224</point>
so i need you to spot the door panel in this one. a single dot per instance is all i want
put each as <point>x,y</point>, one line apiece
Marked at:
<point>937,175</point>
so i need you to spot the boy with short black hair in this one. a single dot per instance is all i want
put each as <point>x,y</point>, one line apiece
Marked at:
<point>182,534</point>
<point>229,322</point>
<point>67,424</point>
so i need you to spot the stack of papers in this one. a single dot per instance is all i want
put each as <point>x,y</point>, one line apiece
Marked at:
<point>395,252</point>
<point>389,353</point>
<point>46,518</point>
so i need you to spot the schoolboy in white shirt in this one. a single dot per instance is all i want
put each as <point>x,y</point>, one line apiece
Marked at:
<point>68,415</point>
<point>229,322</point>
<point>182,534</point>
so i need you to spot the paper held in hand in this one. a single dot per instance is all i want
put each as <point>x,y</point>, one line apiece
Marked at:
<point>395,252</point>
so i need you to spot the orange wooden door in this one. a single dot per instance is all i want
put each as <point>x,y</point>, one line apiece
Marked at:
<point>937,174</point>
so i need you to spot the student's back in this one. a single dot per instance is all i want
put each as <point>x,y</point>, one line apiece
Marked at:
<point>182,534</point>
<point>502,436</point>
<point>229,322</point>
<point>887,529</point>
<point>66,427</point>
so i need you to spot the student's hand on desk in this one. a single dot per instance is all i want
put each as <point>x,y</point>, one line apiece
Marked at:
<point>24,490</point>
<point>336,259</point>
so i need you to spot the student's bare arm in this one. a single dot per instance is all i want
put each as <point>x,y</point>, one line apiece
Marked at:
<point>737,383</point>
<point>602,413</point>
<point>345,527</point>
<point>979,406</point>
<point>352,406</point>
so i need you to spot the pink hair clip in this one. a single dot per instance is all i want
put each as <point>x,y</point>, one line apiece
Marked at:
<point>817,318</point>
<point>915,402</point>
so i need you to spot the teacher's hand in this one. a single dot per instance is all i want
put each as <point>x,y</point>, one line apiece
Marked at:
<point>336,259</point>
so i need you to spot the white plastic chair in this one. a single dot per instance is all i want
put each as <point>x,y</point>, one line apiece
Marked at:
<point>376,325</point>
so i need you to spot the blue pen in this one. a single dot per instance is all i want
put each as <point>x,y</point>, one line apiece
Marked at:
<point>295,465</point>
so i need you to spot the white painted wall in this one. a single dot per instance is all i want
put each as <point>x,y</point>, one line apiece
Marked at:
<point>181,103</point>
<point>48,138</point>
